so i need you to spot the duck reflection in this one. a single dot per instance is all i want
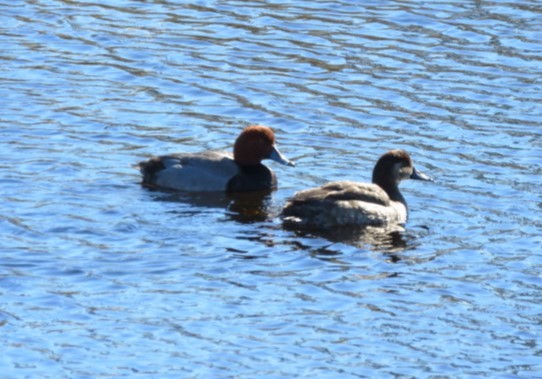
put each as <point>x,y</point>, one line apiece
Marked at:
<point>386,240</point>
<point>389,239</point>
<point>243,207</point>
<point>249,207</point>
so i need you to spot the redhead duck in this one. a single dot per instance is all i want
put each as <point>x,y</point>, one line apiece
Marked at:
<point>357,204</point>
<point>216,170</point>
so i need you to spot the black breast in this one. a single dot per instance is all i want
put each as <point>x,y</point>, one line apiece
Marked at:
<point>252,178</point>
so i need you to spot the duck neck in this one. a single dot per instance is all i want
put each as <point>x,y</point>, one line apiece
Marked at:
<point>251,168</point>
<point>392,189</point>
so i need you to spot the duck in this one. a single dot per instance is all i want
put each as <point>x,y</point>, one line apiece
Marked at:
<point>209,171</point>
<point>348,203</point>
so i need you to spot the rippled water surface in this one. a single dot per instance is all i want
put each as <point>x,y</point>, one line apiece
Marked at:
<point>100,277</point>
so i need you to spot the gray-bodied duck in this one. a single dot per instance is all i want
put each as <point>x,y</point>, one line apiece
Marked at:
<point>218,170</point>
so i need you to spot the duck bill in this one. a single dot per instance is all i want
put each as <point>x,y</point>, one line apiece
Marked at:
<point>277,156</point>
<point>420,176</point>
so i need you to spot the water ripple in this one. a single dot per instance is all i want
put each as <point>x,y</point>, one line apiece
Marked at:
<point>101,277</point>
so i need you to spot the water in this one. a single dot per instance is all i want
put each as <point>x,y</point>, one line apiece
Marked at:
<point>100,277</point>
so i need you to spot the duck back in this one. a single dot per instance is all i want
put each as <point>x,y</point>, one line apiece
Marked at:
<point>207,171</point>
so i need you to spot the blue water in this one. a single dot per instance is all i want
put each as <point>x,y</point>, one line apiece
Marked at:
<point>102,278</point>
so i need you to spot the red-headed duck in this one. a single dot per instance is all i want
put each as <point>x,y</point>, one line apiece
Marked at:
<point>217,170</point>
<point>357,204</point>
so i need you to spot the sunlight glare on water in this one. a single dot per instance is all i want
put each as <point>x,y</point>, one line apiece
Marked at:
<point>100,277</point>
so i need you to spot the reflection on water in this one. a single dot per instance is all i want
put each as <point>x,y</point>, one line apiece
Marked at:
<point>243,207</point>
<point>394,239</point>
<point>102,278</point>
<point>249,207</point>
